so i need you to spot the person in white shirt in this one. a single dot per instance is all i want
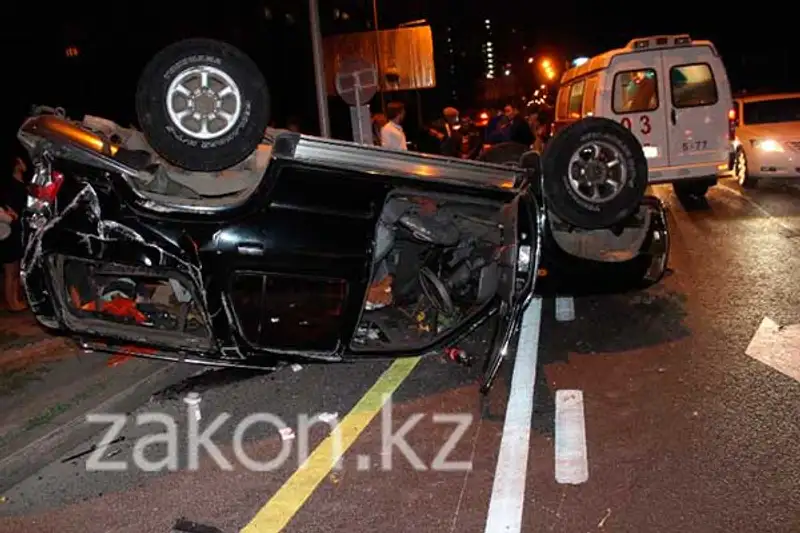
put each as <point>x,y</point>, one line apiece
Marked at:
<point>392,135</point>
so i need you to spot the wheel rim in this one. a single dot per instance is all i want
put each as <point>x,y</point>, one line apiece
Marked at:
<point>741,168</point>
<point>596,172</point>
<point>204,102</point>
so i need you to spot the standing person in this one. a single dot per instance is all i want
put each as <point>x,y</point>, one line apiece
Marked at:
<point>447,131</point>
<point>379,120</point>
<point>497,130</point>
<point>392,134</point>
<point>520,132</point>
<point>14,199</point>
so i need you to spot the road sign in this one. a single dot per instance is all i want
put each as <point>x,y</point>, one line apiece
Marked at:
<point>356,81</point>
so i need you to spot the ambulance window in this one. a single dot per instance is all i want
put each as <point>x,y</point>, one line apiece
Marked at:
<point>561,105</point>
<point>693,85</point>
<point>576,99</point>
<point>590,96</point>
<point>635,91</point>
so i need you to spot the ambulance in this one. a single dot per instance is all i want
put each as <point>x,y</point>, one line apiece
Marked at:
<point>673,93</point>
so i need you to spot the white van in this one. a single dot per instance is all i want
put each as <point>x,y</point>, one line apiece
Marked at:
<point>673,93</point>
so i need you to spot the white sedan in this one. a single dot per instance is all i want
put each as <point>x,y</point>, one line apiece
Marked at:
<point>767,138</point>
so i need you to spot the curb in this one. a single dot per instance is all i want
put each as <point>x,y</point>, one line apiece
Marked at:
<point>36,350</point>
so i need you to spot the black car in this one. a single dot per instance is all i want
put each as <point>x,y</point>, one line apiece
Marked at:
<point>208,241</point>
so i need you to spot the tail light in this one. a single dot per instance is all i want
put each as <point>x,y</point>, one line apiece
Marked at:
<point>45,185</point>
<point>732,124</point>
<point>47,192</point>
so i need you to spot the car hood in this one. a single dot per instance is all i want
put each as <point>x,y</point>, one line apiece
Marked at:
<point>777,131</point>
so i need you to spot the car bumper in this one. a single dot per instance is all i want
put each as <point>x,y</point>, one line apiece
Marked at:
<point>773,164</point>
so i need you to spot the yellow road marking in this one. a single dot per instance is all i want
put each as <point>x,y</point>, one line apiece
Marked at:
<point>280,509</point>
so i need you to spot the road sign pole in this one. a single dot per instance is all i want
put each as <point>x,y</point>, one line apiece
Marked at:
<point>319,70</point>
<point>378,52</point>
<point>359,114</point>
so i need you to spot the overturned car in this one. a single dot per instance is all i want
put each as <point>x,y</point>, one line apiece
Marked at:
<point>204,240</point>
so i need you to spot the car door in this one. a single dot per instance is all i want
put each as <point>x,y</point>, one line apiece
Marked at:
<point>637,102</point>
<point>695,86</point>
<point>294,273</point>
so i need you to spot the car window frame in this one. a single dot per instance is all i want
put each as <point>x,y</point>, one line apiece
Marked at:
<point>582,83</point>
<point>713,79</point>
<point>638,111</point>
<point>590,91</point>
<point>566,90</point>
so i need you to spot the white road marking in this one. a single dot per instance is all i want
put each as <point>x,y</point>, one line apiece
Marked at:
<point>572,464</point>
<point>508,490</point>
<point>565,309</point>
<point>778,347</point>
<point>758,206</point>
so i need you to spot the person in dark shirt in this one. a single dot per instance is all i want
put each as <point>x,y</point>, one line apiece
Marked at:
<point>520,132</point>
<point>497,130</point>
<point>447,131</point>
<point>13,201</point>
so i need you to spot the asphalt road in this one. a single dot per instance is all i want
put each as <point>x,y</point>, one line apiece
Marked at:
<point>675,427</point>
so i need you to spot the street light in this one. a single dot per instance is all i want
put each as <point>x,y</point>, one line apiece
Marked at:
<point>549,70</point>
<point>530,60</point>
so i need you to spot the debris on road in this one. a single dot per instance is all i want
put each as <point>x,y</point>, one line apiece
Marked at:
<point>328,417</point>
<point>457,355</point>
<point>186,526</point>
<point>287,433</point>
<point>603,520</point>
<point>297,367</point>
<point>91,449</point>
<point>565,309</point>
<point>116,360</point>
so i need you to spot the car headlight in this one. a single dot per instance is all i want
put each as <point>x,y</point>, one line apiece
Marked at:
<point>767,145</point>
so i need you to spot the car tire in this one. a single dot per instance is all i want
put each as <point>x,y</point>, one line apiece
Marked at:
<point>235,104</point>
<point>505,153</point>
<point>741,171</point>
<point>601,139</point>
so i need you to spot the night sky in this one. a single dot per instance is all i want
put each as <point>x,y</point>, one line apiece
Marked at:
<point>760,48</point>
